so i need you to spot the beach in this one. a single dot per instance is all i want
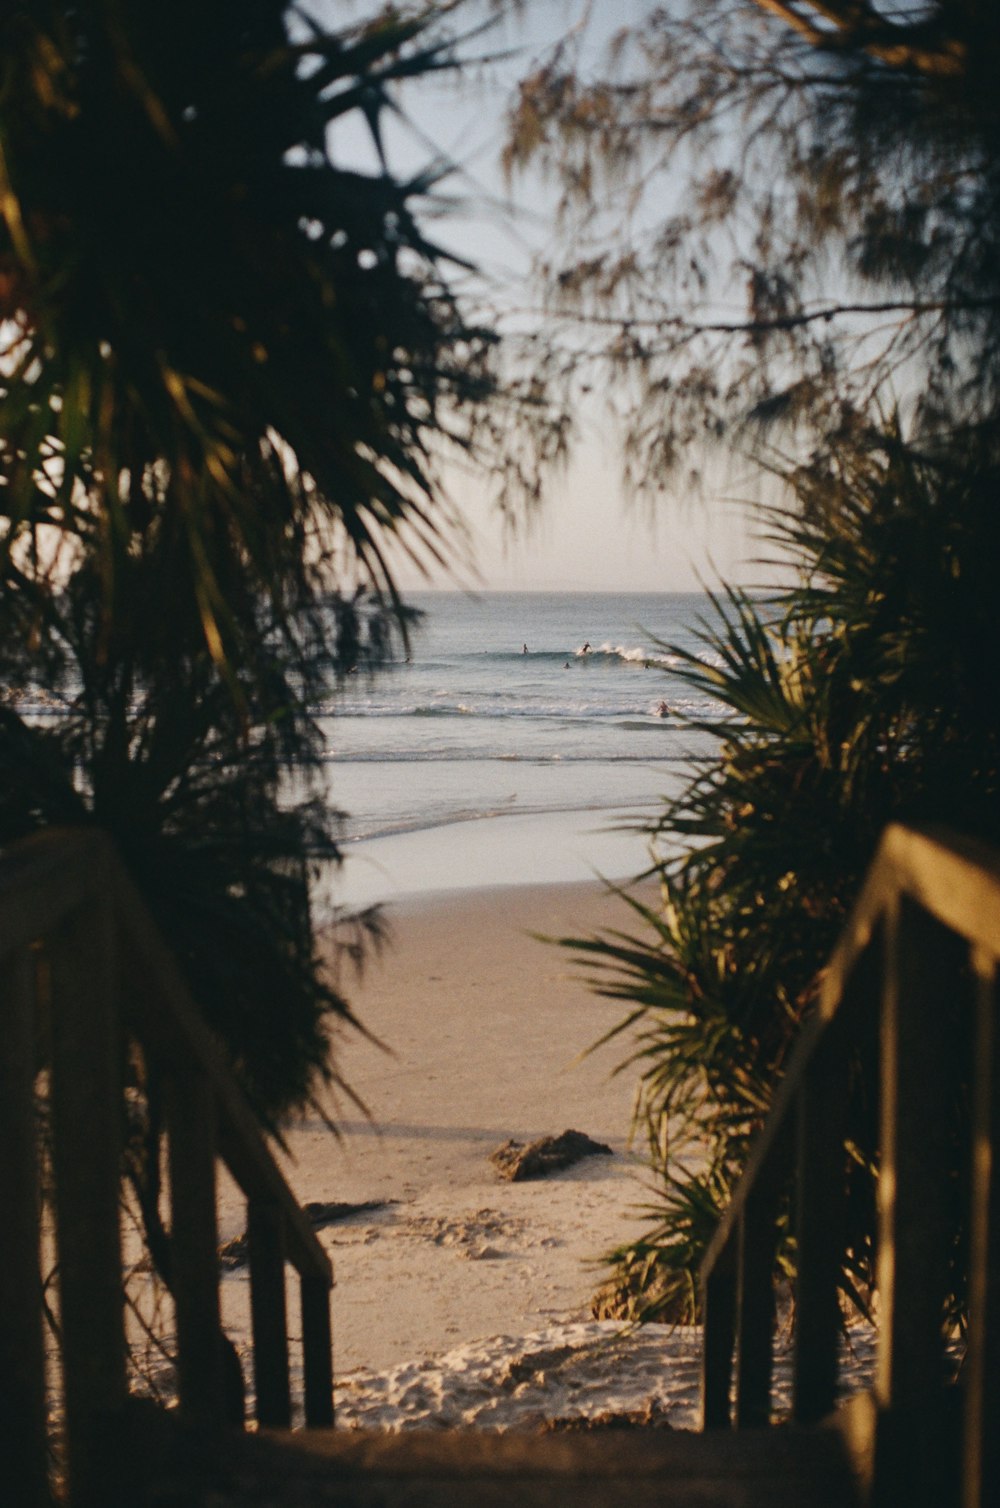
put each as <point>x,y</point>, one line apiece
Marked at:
<point>465,1300</point>
<point>487,1027</point>
<point>483,1033</point>
<point>489,781</point>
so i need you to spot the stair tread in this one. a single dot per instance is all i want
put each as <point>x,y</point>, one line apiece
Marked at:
<point>456,1469</point>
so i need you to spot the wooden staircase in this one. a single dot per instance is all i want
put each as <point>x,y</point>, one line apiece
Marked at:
<point>474,1469</point>
<point>82,969</point>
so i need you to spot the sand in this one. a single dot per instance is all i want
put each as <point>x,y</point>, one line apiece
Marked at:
<point>483,1030</point>
<point>487,1026</point>
<point>465,1300</point>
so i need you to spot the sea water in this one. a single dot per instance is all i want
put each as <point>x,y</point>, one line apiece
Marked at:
<point>526,737</point>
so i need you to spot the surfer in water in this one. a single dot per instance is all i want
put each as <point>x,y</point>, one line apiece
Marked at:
<point>586,648</point>
<point>524,649</point>
<point>663,710</point>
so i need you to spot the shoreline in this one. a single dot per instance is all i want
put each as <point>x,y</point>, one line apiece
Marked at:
<point>413,827</point>
<point>509,851</point>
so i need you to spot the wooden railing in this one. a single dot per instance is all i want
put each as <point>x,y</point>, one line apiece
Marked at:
<point>923,940</point>
<point>73,934</point>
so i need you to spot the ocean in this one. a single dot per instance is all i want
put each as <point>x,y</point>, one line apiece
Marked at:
<point>523,740</point>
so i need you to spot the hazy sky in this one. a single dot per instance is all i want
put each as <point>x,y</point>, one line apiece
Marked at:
<point>586,535</point>
<point>586,540</point>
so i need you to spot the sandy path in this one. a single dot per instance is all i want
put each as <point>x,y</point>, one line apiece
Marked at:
<point>485,1025</point>
<point>466,1300</point>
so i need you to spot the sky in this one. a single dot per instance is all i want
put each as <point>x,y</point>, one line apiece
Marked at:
<point>588,535</point>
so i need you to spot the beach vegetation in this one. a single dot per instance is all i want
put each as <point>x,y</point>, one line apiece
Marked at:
<point>232,366</point>
<point>859,696</point>
<point>782,221</point>
<point>773,218</point>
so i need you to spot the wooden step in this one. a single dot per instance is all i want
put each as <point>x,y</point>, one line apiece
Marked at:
<point>473,1469</point>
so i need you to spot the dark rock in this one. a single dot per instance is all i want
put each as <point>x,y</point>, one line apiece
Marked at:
<point>515,1162</point>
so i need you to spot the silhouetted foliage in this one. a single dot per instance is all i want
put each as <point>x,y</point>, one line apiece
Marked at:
<point>782,224</point>
<point>861,696</point>
<point>230,364</point>
<point>770,212</point>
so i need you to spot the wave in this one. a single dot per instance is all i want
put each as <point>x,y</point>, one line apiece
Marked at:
<point>500,756</point>
<point>628,654</point>
<point>629,817</point>
<point>439,709</point>
<point>635,654</point>
<point>490,710</point>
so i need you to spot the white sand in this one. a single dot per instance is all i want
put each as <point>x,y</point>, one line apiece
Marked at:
<point>569,1371</point>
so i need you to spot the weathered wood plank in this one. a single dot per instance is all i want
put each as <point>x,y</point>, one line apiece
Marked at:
<point>167,1019</point>
<point>755,1297</point>
<point>608,1469</point>
<point>317,1351</point>
<point>22,1363</point>
<point>820,1226</point>
<point>954,878</point>
<point>86,1093</point>
<point>42,879</point>
<point>719,1294</point>
<point>925,967</point>
<point>981,1374</point>
<point>265,1229</point>
<point>194,1246</point>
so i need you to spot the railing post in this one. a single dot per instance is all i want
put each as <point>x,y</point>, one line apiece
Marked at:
<point>981,1446</point>
<point>718,1337</point>
<point>194,1246</point>
<point>317,1350</point>
<point>926,977</point>
<point>924,966</point>
<point>268,1313</point>
<point>820,1206</point>
<point>87,1140</point>
<point>756,1302</point>
<point>22,1357</point>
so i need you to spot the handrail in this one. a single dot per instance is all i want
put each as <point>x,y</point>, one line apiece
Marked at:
<point>923,934</point>
<point>66,896</point>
